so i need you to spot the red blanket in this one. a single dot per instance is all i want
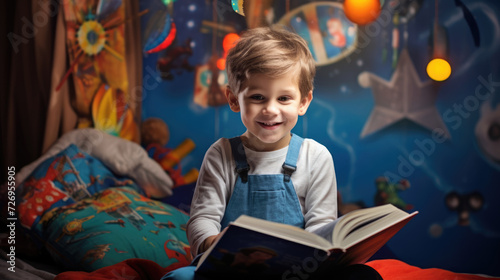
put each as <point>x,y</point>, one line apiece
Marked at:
<point>398,270</point>
<point>145,269</point>
<point>130,269</point>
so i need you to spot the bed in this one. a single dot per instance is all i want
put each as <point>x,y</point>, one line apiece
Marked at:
<point>98,207</point>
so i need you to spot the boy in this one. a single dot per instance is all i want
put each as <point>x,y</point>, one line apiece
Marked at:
<point>267,172</point>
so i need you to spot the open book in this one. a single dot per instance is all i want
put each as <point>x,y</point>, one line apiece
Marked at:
<point>251,246</point>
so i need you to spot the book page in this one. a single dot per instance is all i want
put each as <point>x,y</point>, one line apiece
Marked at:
<point>284,231</point>
<point>373,228</point>
<point>352,224</point>
<point>353,220</point>
<point>326,231</point>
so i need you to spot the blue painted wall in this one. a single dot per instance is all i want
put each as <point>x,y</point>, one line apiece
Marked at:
<point>341,107</point>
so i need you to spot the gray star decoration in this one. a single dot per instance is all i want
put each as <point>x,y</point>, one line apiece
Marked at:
<point>403,97</point>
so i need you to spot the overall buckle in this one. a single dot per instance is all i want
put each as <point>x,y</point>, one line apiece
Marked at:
<point>243,173</point>
<point>288,171</point>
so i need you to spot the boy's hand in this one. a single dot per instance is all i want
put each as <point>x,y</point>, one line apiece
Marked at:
<point>211,240</point>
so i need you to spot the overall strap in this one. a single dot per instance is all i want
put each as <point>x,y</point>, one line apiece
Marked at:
<point>290,164</point>
<point>239,156</point>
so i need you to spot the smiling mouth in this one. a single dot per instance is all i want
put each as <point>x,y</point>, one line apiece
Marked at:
<point>269,124</point>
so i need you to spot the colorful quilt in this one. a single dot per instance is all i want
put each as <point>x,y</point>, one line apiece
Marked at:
<point>88,218</point>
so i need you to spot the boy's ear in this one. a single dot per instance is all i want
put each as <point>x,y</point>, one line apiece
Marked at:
<point>304,103</point>
<point>232,100</point>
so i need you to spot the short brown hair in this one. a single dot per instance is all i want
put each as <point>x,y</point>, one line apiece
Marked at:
<point>273,51</point>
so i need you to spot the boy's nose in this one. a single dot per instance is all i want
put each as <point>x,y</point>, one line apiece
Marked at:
<point>270,108</point>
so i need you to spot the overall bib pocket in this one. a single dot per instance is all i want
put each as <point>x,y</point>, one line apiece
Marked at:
<point>271,205</point>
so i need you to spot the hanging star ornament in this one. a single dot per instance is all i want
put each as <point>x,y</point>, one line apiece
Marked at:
<point>405,96</point>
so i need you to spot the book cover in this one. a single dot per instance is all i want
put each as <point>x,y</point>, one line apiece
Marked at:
<point>253,248</point>
<point>250,254</point>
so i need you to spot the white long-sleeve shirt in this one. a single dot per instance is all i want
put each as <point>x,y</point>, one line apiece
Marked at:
<point>314,182</point>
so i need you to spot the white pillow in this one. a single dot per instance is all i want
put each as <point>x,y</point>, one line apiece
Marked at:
<point>123,157</point>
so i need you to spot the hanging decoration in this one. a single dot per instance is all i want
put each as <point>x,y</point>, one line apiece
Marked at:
<point>403,11</point>
<point>95,38</point>
<point>238,6</point>
<point>227,43</point>
<point>439,68</point>
<point>211,78</point>
<point>395,40</point>
<point>160,30</point>
<point>175,60</point>
<point>329,34</point>
<point>362,12</point>
<point>471,22</point>
<point>210,84</point>
<point>403,97</point>
<point>160,35</point>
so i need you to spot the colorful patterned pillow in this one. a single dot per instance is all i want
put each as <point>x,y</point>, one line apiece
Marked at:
<point>114,225</point>
<point>121,156</point>
<point>69,176</point>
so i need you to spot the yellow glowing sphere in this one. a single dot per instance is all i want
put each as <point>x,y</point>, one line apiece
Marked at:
<point>438,69</point>
<point>362,11</point>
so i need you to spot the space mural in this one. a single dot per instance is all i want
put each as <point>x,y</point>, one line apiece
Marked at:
<point>397,136</point>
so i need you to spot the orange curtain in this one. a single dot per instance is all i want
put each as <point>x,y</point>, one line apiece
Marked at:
<point>34,58</point>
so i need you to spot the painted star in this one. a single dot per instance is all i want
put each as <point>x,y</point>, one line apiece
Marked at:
<point>405,96</point>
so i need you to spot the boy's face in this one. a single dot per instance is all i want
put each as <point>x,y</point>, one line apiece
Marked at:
<point>269,109</point>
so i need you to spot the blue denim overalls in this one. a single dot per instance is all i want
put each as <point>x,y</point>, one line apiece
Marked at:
<point>271,197</point>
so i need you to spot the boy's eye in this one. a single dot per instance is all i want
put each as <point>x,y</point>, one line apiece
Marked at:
<point>284,98</point>
<point>257,97</point>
